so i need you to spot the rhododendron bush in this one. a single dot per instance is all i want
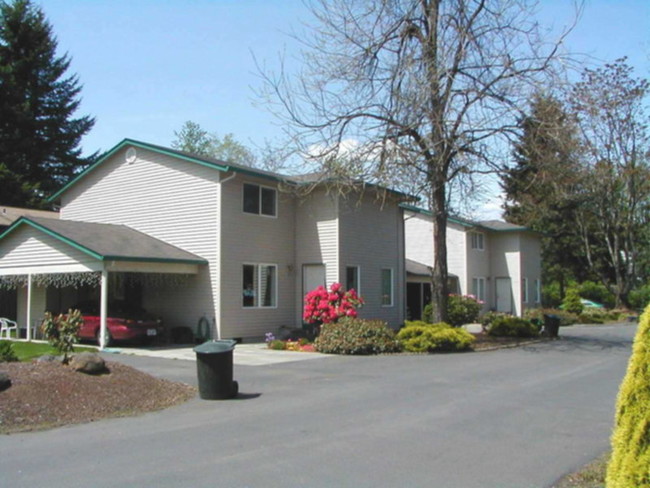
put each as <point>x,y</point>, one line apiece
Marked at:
<point>326,306</point>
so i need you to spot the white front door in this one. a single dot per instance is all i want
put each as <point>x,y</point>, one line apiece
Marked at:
<point>504,295</point>
<point>313,276</point>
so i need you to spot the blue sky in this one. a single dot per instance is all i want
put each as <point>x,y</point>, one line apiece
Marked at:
<point>147,66</point>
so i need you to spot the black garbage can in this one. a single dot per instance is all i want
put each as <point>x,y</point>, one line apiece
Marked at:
<point>214,369</point>
<point>551,325</point>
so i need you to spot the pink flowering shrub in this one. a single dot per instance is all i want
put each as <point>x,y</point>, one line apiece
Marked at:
<point>327,306</point>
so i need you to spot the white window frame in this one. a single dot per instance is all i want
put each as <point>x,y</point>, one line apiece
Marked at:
<point>524,290</point>
<point>478,288</point>
<point>392,288</point>
<point>477,241</point>
<point>256,299</point>
<point>538,291</point>
<point>358,271</point>
<point>259,209</point>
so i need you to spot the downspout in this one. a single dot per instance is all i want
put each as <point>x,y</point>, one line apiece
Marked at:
<point>217,319</point>
<point>29,307</point>
<point>103,308</point>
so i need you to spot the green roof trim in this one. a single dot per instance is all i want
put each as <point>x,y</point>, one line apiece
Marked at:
<point>488,226</point>
<point>76,245</point>
<point>207,162</point>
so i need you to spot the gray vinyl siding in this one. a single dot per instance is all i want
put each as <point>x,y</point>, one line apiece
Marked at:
<point>255,239</point>
<point>372,237</point>
<point>170,199</point>
<point>317,239</point>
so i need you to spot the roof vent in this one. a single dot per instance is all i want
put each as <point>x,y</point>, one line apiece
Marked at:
<point>131,155</point>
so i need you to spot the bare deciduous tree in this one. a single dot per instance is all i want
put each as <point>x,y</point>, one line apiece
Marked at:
<point>424,91</point>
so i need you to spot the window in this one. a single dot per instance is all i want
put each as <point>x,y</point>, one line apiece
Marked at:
<point>352,278</point>
<point>524,289</point>
<point>260,200</point>
<point>386,287</point>
<point>259,285</point>
<point>478,288</point>
<point>538,291</point>
<point>477,241</point>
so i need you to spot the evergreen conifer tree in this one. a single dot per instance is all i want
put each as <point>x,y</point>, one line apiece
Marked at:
<point>39,136</point>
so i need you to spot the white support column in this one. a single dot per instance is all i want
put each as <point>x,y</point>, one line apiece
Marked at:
<point>29,307</point>
<point>103,308</point>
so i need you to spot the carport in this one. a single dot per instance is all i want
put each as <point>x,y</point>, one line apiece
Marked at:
<point>53,252</point>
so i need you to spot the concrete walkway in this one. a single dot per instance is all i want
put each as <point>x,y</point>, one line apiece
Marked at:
<point>254,354</point>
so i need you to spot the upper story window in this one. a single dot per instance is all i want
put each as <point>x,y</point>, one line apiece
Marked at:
<point>260,200</point>
<point>478,241</point>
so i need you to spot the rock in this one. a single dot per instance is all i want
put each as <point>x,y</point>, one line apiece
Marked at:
<point>473,328</point>
<point>47,358</point>
<point>89,363</point>
<point>5,381</point>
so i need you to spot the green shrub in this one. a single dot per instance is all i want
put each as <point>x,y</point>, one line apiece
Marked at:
<point>62,331</point>
<point>438,337</point>
<point>572,302</point>
<point>461,309</point>
<point>639,298</point>
<point>513,327</point>
<point>277,345</point>
<point>356,336</point>
<point>596,292</point>
<point>628,466</point>
<point>487,318</point>
<point>421,323</point>
<point>7,354</point>
<point>536,316</point>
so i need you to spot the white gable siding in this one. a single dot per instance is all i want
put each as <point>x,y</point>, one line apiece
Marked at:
<point>255,239</point>
<point>317,239</point>
<point>371,237</point>
<point>170,199</point>
<point>27,250</point>
<point>457,254</point>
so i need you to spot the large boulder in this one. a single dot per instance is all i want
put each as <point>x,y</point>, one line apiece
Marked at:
<point>89,363</point>
<point>5,381</point>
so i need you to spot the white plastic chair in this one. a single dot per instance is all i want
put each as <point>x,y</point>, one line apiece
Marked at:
<point>6,326</point>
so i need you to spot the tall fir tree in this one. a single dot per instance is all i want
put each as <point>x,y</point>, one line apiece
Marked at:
<point>543,188</point>
<point>39,135</point>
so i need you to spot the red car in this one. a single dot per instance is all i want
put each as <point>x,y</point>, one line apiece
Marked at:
<point>122,324</point>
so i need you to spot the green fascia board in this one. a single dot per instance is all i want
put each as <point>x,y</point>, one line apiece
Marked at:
<point>167,152</point>
<point>464,223</point>
<point>70,242</point>
<point>90,252</point>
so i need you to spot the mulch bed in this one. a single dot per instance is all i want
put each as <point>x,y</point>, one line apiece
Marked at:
<point>485,342</point>
<point>45,395</point>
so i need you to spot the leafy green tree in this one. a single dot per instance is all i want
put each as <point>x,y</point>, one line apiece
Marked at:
<point>39,135</point>
<point>192,138</point>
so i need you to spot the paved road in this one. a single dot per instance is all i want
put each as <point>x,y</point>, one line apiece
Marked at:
<point>511,418</point>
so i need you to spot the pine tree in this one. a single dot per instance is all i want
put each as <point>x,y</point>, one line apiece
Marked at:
<point>39,137</point>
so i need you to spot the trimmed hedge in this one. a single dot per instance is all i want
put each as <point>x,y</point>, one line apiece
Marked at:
<point>628,466</point>
<point>440,337</point>
<point>356,336</point>
<point>512,327</point>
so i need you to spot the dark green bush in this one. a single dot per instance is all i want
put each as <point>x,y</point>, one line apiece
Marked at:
<point>639,298</point>
<point>596,292</point>
<point>487,318</point>
<point>461,309</point>
<point>513,327</point>
<point>536,315</point>
<point>7,354</point>
<point>438,337</point>
<point>277,345</point>
<point>356,336</point>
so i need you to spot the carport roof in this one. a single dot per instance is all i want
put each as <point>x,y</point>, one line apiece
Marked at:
<point>108,242</point>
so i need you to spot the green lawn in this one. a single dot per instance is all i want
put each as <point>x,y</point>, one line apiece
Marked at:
<point>26,351</point>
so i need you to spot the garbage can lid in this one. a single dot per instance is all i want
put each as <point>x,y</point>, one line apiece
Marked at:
<point>215,347</point>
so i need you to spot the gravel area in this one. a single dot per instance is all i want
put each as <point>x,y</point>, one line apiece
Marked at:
<point>46,395</point>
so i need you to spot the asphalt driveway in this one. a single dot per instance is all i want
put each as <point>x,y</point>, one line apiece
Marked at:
<point>511,418</point>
